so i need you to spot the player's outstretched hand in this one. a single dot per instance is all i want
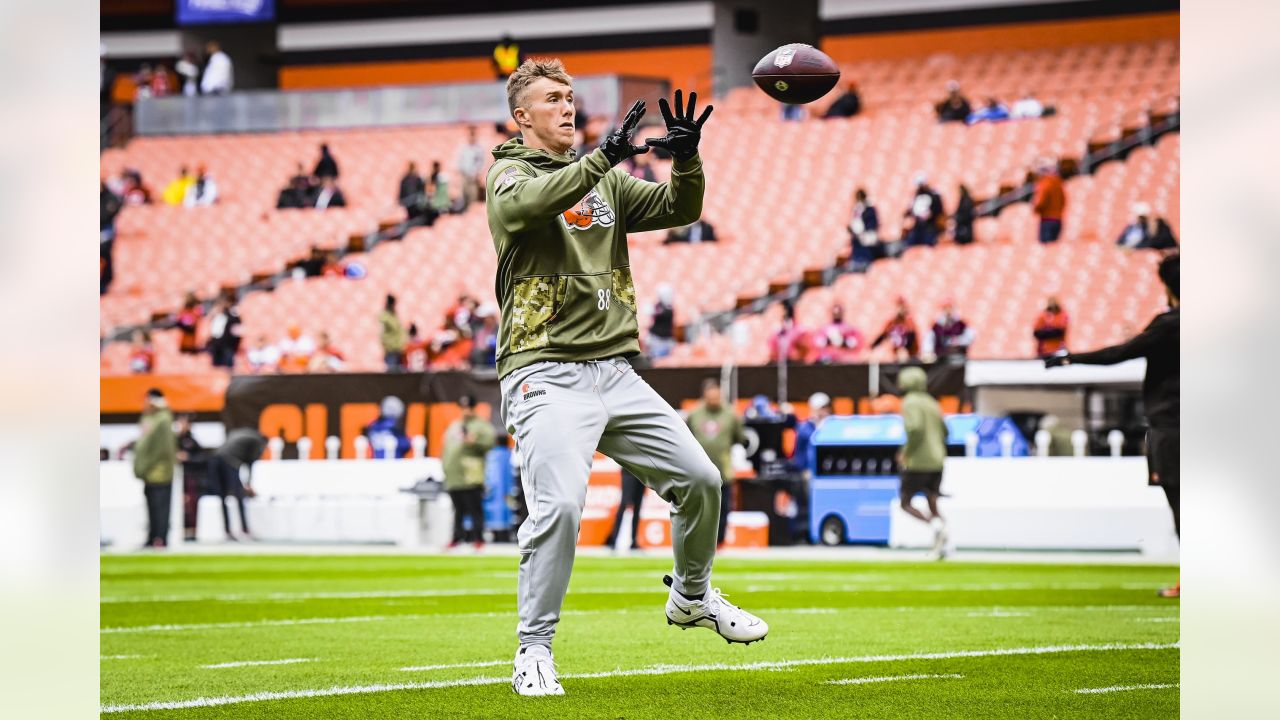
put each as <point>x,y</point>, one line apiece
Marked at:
<point>683,132</point>
<point>1059,359</point>
<point>617,145</point>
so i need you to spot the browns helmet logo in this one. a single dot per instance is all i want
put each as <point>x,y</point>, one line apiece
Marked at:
<point>592,210</point>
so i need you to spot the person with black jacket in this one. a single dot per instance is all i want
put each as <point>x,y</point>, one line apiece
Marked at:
<point>195,460</point>
<point>962,220</point>
<point>1159,344</point>
<point>326,166</point>
<point>242,448</point>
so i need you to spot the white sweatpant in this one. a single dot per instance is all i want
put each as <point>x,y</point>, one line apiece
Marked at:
<point>560,413</point>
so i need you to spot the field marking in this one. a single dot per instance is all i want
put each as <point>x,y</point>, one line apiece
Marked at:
<point>202,702</point>
<point>122,657</point>
<point>254,663</point>
<point>1123,688</point>
<point>486,663</point>
<point>1158,619</point>
<point>999,614</point>
<point>890,678</point>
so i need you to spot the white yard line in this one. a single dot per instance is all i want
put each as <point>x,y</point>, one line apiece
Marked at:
<point>486,663</point>
<point>890,678</point>
<point>653,670</point>
<point>1158,620</point>
<point>254,663</point>
<point>122,657</point>
<point>1123,688</point>
<point>999,614</point>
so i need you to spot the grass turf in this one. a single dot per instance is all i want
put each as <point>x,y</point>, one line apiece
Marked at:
<point>358,620</point>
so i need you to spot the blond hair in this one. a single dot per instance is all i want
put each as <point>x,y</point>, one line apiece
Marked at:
<point>530,70</point>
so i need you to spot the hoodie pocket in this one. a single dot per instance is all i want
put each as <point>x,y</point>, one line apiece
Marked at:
<point>535,302</point>
<point>624,290</point>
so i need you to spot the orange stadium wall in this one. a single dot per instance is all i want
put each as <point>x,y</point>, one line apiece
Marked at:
<point>689,66</point>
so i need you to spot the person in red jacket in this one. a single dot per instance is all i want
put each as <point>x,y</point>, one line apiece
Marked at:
<point>1049,201</point>
<point>901,333</point>
<point>1051,329</point>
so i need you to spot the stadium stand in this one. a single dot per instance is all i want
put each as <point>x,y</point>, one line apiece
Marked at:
<point>780,211</point>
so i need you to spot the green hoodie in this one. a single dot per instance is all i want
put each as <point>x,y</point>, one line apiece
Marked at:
<point>156,451</point>
<point>560,228</point>
<point>926,446</point>
<point>464,461</point>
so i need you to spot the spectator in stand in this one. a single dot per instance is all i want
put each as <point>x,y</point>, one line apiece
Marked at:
<point>299,193</point>
<point>438,190</point>
<point>484,340</point>
<point>333,266</point>
<point>470,161</point>
<point>242,448</point>
<point>188,72</point>
<point>901,333</point>
<point>952,336</point>
<point>386,435</point>
<point>793,113</point>
<point>176,192</point>
<point>329,195</point>
<point>953,108</point>
<point>263,357</point>
<point>188,322</point>
<point>466,443</point>
<point>662,331</point>
<point>133,189</point>
<point>718,428</point>
<point>962,220</point>
<point>695,232</point>
<point>1027,107</point>
<point>327,358</point>
<point>142,82</point>
<point>392,336</point>
<point>847,105</point>
<point>642,168</point>
<point>506,58</point>
<point>219,77</point>
<point>109,207</point>
<point>1050,329</point>
<point>790,343</point>
<point>160,85</point>
<point>296,349</point>
<point>413,193</point>
<point>993,111</point>
<point>837,342</point>
<point>924,216</point>
<point>224,332</point>
<point>313,264</point>
<point>195,461</point>
<point>417,356</point>
<point>326,166</point>
<point>1049,200</point>
<point>202,192</point>
<point>154,455</point>
<point>864,232</point>
<point>1147,231</point>
<point>142,355</point>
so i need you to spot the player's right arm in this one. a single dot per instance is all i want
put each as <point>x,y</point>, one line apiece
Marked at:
<point>523,200</point>
<point>1140,346</point>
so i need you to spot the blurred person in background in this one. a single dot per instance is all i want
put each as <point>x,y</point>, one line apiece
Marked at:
<point>242,448</point>
<point>327,358</point>
<point>962,219</point>
<point>195,462</point>
<point>1027,107</point>
<point>326,166</point>
<point>901,333</point>
<point>219,76</point>
<point>836,342</point>
<point>188,323</point>
<point>924,216</point>
<point>202,192</point>
<point>484,339</point>
<point>142,355</point>
<point>1050,330</point>
<point>922,455</point>
<point>132,189</point>
<point>188,74</point>
<point>802,453</point>
<point>1147,231</point>
<point>329,195</point>
<point>392,336</point>
<point>142,82</point>
<point>1049,200</point>
<point>506,58</point>
<point>109,205</point>
<point>1159,344</point>
<point>952,336</point>
<point>632,497</point>
<point>438,190</point>
<point>263,357</point>
<point>470,162</point>
<point>299,192</point>
<point>296,349</point>
<point>413,194</point>
<point>662,330</point>
<point>695,232</point>
<point>224,332</point>
<point>176,192</point>
<point>466,443</point>
<point>386,435</point>
<point>642,168</point>
<point>864,232</point>
<point>417,353</point>
<point>154,456</point>
<point>847,105</point>
<point>717,428</point>
<point>992,111</point>
<point>954,107</point>
<point>790,342</point>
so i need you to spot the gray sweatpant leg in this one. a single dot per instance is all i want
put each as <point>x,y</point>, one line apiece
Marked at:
<point>559,414</point>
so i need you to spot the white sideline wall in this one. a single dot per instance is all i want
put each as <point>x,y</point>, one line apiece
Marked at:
<point>1051,503</point>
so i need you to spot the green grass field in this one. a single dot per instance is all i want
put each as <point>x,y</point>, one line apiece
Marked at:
<point>380,636</point>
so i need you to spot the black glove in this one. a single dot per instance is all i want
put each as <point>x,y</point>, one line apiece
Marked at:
<point>683,132</point>
<point>617,145</point>
<point>1057,359</point>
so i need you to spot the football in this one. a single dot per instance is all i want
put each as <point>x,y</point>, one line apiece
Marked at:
<point>796,74</point>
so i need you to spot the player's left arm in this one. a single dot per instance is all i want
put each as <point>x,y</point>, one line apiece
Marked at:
<point>1140,346</point>
<point>657,206</point>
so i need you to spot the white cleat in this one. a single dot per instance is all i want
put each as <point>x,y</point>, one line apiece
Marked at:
<point>535,673</point>
<point>733,623</point>
<point>940,538</point>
